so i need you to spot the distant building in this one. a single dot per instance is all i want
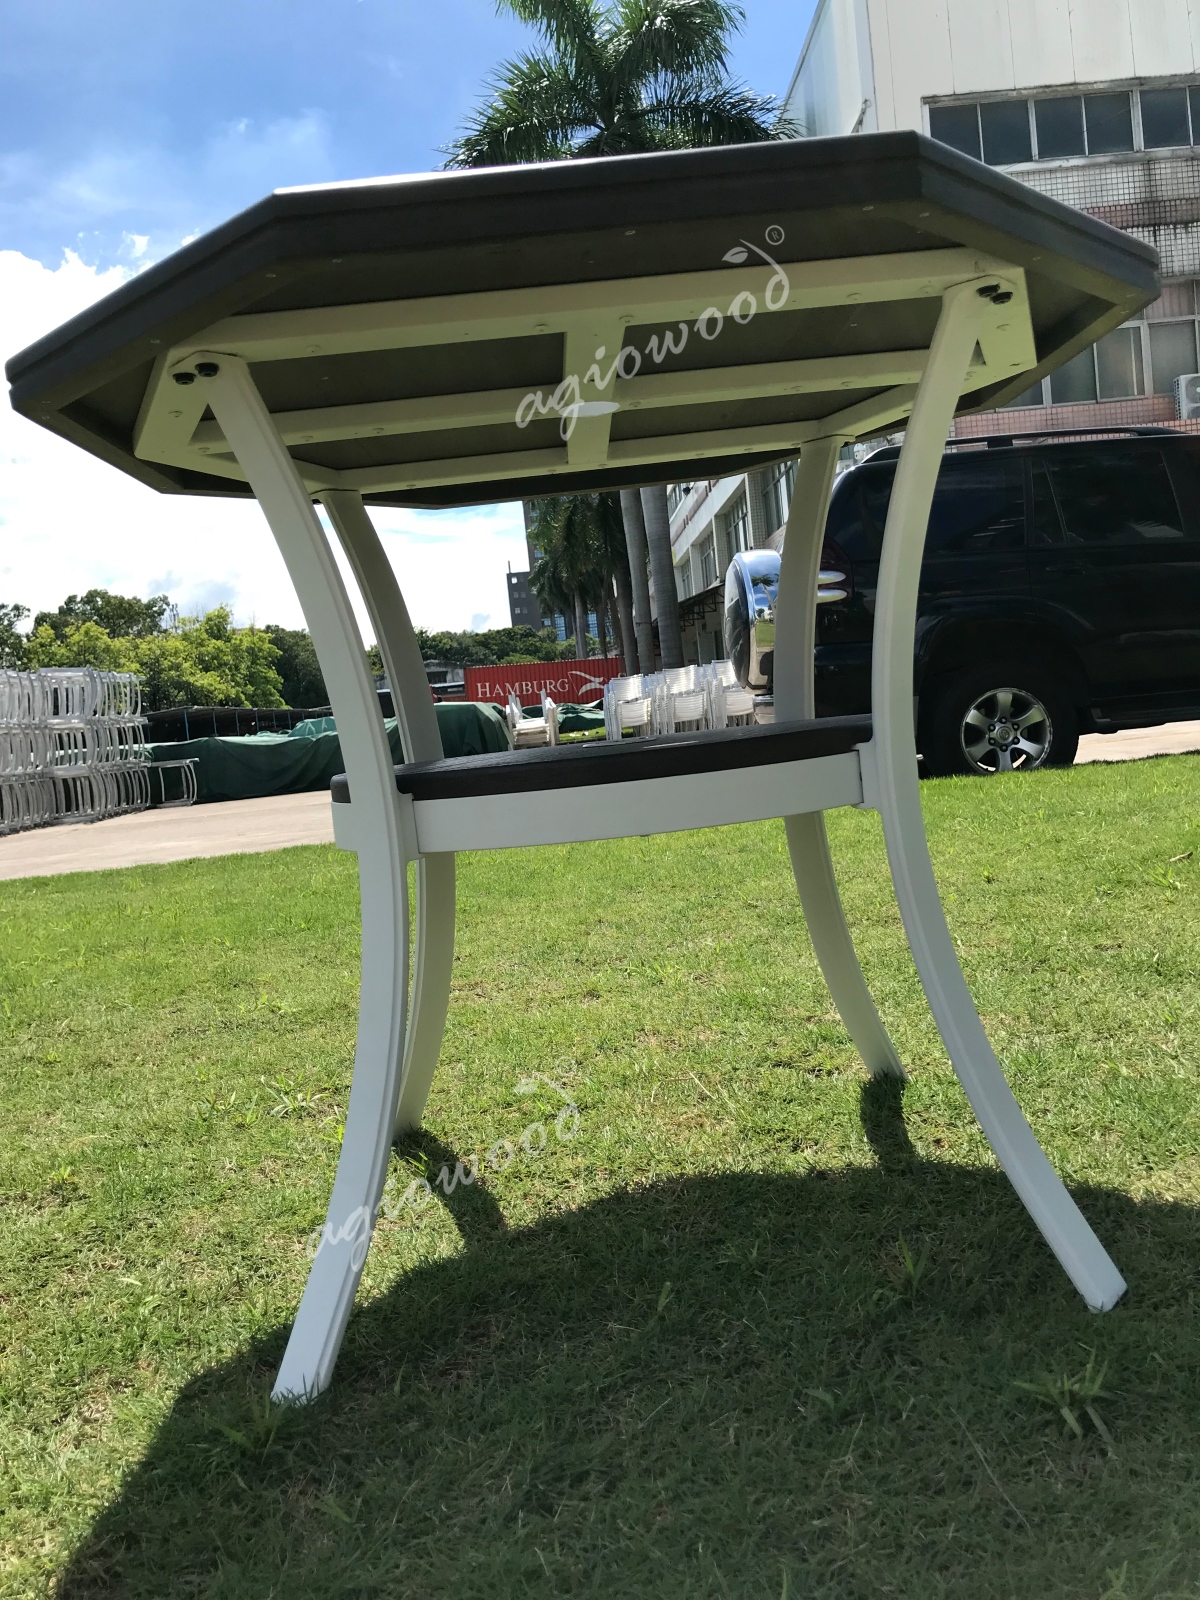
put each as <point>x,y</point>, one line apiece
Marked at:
<point>524,608</point>
<point>1097,104</point>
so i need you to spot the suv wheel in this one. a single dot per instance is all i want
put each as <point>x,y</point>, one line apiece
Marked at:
<point>1003,716</point>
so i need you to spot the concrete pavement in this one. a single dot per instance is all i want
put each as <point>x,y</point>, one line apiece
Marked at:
<point>228,827</point>
<point>237,827</point>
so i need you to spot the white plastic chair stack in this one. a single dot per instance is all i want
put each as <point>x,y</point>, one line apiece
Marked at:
<point>731,706</point>
<point>679,700</point>
<point>627,707</point>
<point>72,747</point>
<point>526,731</point>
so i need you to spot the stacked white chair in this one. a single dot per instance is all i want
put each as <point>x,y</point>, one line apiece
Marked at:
<point>72,747</point>
<point>526,731</point>
<point>678,700</point>
<point>627,707</point>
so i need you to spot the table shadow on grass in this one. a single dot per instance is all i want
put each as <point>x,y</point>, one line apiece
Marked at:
<point>730,1385</point>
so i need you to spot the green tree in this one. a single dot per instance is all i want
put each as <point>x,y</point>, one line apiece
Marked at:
<point>582,563</point>
<point>121,616</point>
<point>494,646</point>
<point>616,79</point>
<point>303,683</point>
<point>207,662</point>
<point>199,661</point>
<point>563,531</point>
<point>619,79</point>
<point>13,644</point>
<point>81,644</point>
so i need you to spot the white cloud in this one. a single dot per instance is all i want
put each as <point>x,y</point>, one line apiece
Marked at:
<point>68,522</point>
<point>122,202</point>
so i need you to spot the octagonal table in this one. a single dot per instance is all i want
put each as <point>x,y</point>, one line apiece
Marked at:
<point>459,338</point>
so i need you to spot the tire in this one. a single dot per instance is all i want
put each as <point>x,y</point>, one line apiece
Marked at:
<point>999,716</point>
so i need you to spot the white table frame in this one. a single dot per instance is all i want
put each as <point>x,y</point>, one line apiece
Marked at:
<point>401,1020</point>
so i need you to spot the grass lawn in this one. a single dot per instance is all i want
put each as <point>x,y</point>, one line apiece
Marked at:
<point>759,1329</point>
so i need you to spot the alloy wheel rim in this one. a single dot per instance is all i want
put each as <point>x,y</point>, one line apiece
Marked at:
<point>1006,730</point>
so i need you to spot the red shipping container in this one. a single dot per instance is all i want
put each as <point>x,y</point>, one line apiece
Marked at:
<point>566,682</point>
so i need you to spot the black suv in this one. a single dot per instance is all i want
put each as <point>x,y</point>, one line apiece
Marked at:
<point>1060,594</point>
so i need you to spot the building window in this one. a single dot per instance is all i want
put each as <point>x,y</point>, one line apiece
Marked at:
<point>777,495</point>
<point>735,527</point>
<point>684,569</point>
<point>1004,125</point>
<point>1144,357</point>
<point>1109,120</point>
<point>1172,353</point>
<point>1005,133</point>
<point>1119,374</point>
<point>1165,120</point>
<point>708,561</point>
<point>677,493</point>
<point>1075,384</point>
<point>1059,125</point>
<point>957,126</point>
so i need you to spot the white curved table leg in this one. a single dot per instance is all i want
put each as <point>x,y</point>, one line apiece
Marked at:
<point>433,969</point>
<point>897,794</point>
<point>362,1167</point>
<point>433,965</point>
<point>808,843</point>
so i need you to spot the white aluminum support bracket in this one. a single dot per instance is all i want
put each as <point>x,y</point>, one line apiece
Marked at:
<point>351,827</point>
<point>868,761</point>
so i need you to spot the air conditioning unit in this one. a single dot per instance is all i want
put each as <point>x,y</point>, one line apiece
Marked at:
<point>1187,397</point>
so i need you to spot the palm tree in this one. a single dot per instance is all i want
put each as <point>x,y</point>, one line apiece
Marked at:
<point>657,517</point>
<point>563,532</point>
<point>618,79</point>
<point>614,562</point>
<point>580,545</point>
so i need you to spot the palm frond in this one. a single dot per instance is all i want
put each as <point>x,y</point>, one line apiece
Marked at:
<point>577,537</point>
<point>656,38</point>
<point>616,79</point>
<point>727,115</point>
<point>573,27</point>
<point>536,112</point>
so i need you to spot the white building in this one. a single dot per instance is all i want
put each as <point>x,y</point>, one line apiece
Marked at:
<point>1094,102</point>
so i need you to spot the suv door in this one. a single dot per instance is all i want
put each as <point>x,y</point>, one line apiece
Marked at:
<point>853,535</point>
<point>1115,563</point>
<point>975,564</point>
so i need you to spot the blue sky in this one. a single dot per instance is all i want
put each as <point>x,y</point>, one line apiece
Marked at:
<point>128,126</point>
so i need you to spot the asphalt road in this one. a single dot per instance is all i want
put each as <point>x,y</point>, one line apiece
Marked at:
<point>238,827</point>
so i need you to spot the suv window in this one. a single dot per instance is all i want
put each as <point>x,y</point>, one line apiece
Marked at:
<point>1106,497</point>
<point>855,520</point>
<point>978,505</point>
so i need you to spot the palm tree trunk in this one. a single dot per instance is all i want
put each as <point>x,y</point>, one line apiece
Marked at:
<point>666,599</point>
<point>639,598</point>
<point>581,644</point>
<point>624,609</point>
<point>602,626</point>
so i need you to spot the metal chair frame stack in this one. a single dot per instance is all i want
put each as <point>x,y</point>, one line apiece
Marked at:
<point>72,747</point>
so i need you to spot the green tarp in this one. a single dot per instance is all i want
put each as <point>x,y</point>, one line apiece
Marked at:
<point>573,719</point>
<point>310,756</point>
